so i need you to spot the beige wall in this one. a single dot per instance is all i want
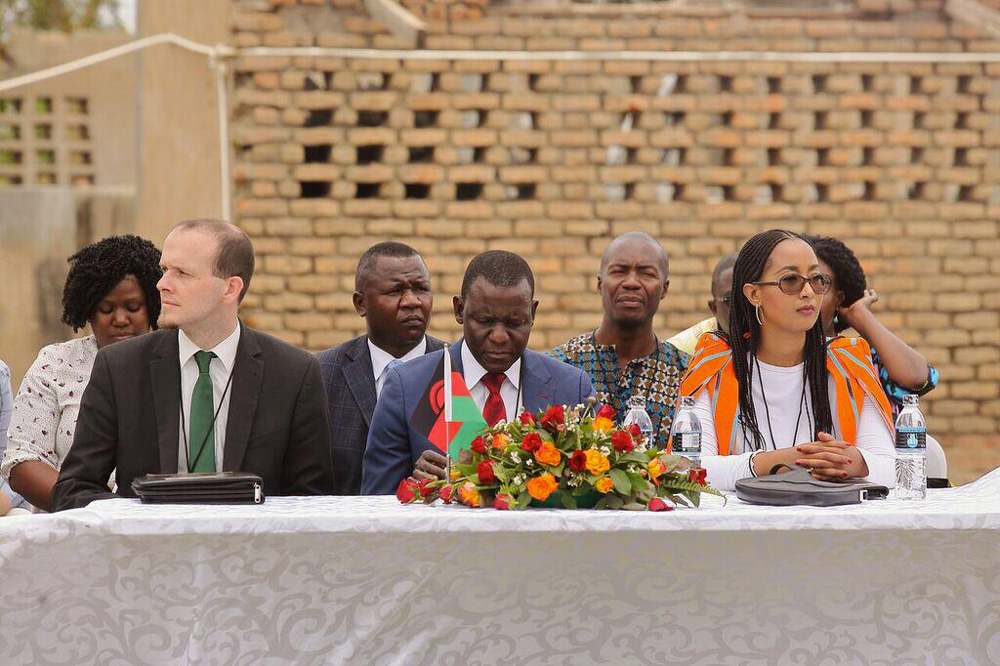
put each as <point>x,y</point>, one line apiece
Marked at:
<point>178,127</point>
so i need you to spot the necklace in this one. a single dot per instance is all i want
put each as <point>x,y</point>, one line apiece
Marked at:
<point>803,402</point>
<point>610,382</point>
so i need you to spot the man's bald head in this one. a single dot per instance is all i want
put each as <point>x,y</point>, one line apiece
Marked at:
<point>635,239</point>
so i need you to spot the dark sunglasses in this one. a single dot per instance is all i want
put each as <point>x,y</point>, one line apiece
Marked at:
<point>793,283</point>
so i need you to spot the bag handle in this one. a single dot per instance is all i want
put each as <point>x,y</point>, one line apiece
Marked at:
<point>791,468</point>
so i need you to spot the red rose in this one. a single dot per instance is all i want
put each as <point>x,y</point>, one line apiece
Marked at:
<point>406,492</point>
<point>697,475</point>
<point>527,418</point>
<point>503,502</point>
<point>445,493</point>
<point>634,431</point>
<point>479,445</point>
<point>578,461</point>
<point>555,418</point>
<point>622,441</point>
<point>485,472</point>
<point>606,412</point>
<point>424,487</point>
<point>531,442</point>
<point>656,504</point>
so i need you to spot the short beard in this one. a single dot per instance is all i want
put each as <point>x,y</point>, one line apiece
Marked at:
<point>161,324</point>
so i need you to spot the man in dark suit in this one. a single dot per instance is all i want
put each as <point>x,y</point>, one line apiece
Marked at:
<point>205,393</point>
<point>392,291</point>
<point>496,310</point>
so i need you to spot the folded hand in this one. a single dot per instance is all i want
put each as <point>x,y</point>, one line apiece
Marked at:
<point>430,465</point>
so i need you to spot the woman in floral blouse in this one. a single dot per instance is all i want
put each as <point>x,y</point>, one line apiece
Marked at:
<point>902,370</point>
<point>111,286</point>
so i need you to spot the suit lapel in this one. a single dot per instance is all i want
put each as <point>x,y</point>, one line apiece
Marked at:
<point>537,394</point>
<point>359,377</point>
<point>248,377</point>
<point>165,374</point>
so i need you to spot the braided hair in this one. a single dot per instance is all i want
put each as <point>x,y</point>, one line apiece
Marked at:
<point>96,270</point>
<point>744,340</point>
<point>847,271</point>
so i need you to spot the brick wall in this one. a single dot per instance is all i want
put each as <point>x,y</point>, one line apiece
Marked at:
<point>551,158</point>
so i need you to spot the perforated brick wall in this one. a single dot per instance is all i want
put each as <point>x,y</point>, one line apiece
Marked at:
<point>552,158</point>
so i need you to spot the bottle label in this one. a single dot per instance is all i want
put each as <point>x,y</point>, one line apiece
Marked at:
<point>687,441</point>
<point>911,439</point>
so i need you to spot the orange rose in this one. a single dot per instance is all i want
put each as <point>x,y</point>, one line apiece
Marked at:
<point>604,484</point>
<point>655,468</point>
<point>548,455</point>
<point>597,463</point>
<point>468,494</point>
<point>603,424</point>
<point>500,440</point>
<point>542,486</point>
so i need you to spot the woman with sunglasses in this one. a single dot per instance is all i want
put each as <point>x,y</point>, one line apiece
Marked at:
<point>771,390</point>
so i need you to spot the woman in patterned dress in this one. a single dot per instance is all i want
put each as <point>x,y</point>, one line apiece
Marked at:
<point>111,286</point>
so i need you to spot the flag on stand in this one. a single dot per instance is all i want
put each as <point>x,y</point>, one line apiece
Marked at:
<point>450,425</point>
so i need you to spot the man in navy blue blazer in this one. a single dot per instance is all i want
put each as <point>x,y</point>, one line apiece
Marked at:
<point>496,310</point>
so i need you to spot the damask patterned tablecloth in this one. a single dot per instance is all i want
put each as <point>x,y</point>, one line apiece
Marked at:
<point>366,580</point>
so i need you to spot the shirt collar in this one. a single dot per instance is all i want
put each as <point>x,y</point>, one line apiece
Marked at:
<point>382,358</point>
<point>473,372</point>
<point>225,350</point>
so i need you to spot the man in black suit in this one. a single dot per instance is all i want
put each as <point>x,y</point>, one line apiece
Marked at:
<point>205,392</point>
<point>392,291</point>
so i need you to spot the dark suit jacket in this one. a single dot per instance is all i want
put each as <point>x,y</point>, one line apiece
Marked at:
<point>130,418</point>
<point>394,446</point>
<point>350,392</point>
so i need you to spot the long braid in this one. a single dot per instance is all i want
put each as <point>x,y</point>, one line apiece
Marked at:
<point>744,338</point>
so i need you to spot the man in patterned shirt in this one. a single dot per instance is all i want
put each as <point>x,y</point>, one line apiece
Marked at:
<point>623,356</point>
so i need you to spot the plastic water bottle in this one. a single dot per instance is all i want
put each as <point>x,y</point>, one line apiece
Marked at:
<point>685,434</point>
<point>637,415</point>
<point>911,451</point>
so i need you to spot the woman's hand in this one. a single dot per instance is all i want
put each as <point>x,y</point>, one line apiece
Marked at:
<point>830,459</point>
<point>859,308</point>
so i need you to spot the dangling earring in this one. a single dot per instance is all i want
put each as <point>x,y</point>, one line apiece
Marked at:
<point>836,319</point>
<point>756,309</point>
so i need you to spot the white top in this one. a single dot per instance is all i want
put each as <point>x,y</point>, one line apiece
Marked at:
<point>473,374</point>
<point>381,360</point>
<point>219,370</point>
<point>783,387</point>
<point>48,404</point>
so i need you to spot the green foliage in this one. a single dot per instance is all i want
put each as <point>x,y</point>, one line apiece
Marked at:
<point>61,15</point>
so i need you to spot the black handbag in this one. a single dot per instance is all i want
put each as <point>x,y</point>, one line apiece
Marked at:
<point>200,488</point>
<point>799,487</point>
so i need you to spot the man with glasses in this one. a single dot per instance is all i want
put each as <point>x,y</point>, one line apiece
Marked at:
<point>719,304</point>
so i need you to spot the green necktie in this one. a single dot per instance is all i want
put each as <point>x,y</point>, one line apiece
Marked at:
<point>202,421</point>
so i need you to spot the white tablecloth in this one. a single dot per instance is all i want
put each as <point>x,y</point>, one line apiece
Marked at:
<point>366,580</point>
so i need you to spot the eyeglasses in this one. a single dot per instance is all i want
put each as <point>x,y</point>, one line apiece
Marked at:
<point>793,283</point>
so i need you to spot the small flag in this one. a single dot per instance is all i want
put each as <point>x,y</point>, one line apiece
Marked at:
<point>452,432</point>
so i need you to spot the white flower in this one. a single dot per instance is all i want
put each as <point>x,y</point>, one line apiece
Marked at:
<point>605,450</point>
<point>515,457</point>
<point>529,462</point>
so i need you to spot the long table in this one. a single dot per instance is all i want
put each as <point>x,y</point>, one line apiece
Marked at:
<point>366,580</point>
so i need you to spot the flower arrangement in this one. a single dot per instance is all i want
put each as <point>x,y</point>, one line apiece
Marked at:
<point>565,456</point>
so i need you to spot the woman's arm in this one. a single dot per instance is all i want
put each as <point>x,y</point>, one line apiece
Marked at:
<point>906,366</point>
<point>32,435</point>
<point>33,480</point>
<point>721,471</point>
<point>875,445</point>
